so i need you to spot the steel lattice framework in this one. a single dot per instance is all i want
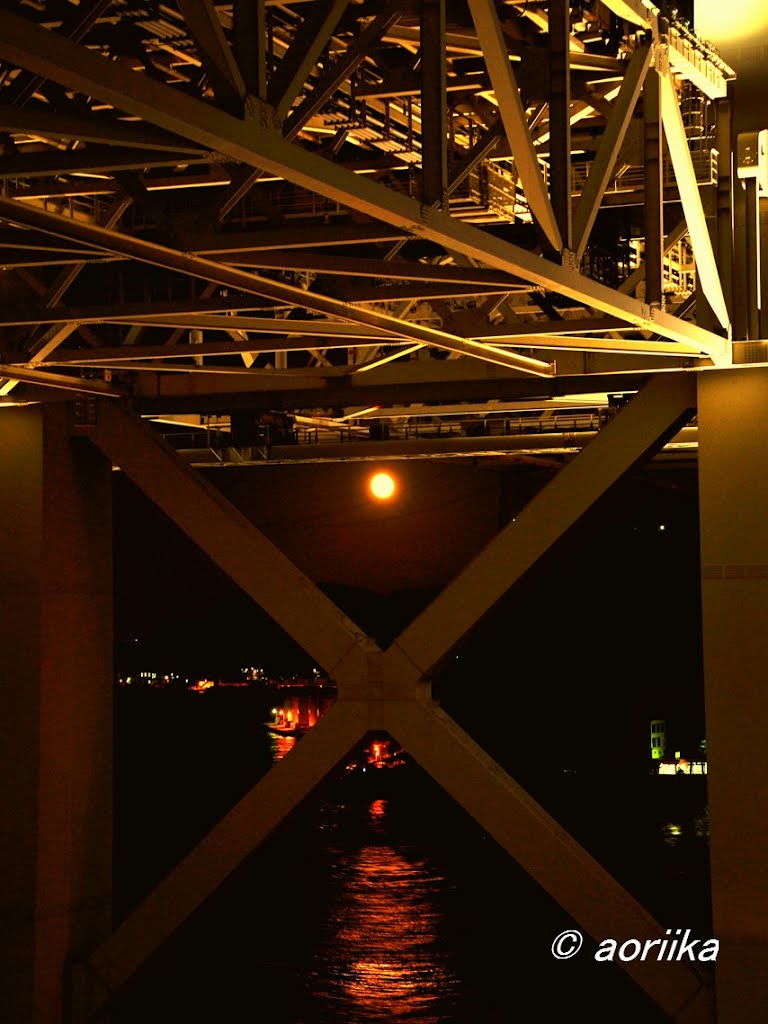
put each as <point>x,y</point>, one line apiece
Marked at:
<point>333,200</point>
<point>382,209</point>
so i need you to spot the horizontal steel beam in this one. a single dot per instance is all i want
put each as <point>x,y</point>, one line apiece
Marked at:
<point>395,270</point>
<point>492,447</point>
<point>261,146</point>
<point>158,255</point>
<point>95,128</point>
<point>125,355</point>
<point>394,384</point>
<point>93,159</point>
<point>287,237</point>
<point>60,382</point>
<point>235,303</point>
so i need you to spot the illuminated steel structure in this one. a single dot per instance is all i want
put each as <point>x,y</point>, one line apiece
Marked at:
<point>331,210</point>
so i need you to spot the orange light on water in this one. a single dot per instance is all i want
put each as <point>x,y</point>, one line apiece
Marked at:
<point>382,486</point>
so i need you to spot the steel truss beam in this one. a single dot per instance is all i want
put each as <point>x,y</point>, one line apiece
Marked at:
<point>149,252</point>
<point>690,197</point>
<point>352,57</point>
<point>92,129</point>
<point>261,146</point>
<point>218,60</point>
<point>434,130</point>
<point>394,384</point>
<point>513,115</point>
<point>128,356</point>
<point>50,339</point>
<point>12,375</point>
<point>300,59</point>
<point>610,144</point>
<point>94,159</point>
<point>75,26</point>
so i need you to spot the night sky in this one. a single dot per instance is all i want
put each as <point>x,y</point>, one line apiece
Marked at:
<point>606,626</point>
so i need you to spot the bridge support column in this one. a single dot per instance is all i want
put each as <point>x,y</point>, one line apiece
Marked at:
<point>56,750</point>
<point>733,487</point>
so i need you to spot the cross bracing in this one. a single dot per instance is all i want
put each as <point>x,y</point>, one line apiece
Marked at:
<point>470,182</point>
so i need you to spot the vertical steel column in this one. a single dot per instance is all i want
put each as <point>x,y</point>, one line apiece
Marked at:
<point>434,127</point>
<point>763,243</point>
<point>733,489</point>
<point>559,116</point>
<point>654,188</point>
<point>752,247</point>
<point>249,43</point>
<point>56,753</point>
<point>739,278</point>
<point>724,116</point>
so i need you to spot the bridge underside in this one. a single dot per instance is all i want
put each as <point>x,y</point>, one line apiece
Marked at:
<point>338,231</point>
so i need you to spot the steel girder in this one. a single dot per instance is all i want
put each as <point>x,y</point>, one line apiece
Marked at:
<point>257,143</point>
<point>150,252</point>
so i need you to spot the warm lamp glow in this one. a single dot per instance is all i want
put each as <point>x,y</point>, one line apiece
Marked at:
<point>742,26</point>
<point>382,486</point>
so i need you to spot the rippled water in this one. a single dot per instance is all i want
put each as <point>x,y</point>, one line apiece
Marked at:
<point>381,956</point>
<point>375,902</point>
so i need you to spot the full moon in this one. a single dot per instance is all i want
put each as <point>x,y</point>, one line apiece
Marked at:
<point>382,486</point>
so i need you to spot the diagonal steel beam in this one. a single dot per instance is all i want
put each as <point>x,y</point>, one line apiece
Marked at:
<point>218,60</point>
<point>301,57</point>
<point>227,537</point>
<point>102,314</point>
<point>126,354</point>
<point>341,69</point>
<point>225,847</point>
<point>75,26</point>
<point>321,92</point>
<point>656,412</point>
<point>27,45</point>
<point>690,197</point>
<point>629,284</point>
<point>54,336</point>
<point>613,137</point>
<point>317,328</point>
<point>550,855</point>
<point>150,252</point>
<point>511,109</point>
<point>25,375</point>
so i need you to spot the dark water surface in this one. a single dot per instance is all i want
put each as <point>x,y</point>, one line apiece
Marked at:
<point>380,899</point>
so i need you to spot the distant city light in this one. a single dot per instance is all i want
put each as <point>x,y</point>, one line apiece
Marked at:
<point>382,486</point>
